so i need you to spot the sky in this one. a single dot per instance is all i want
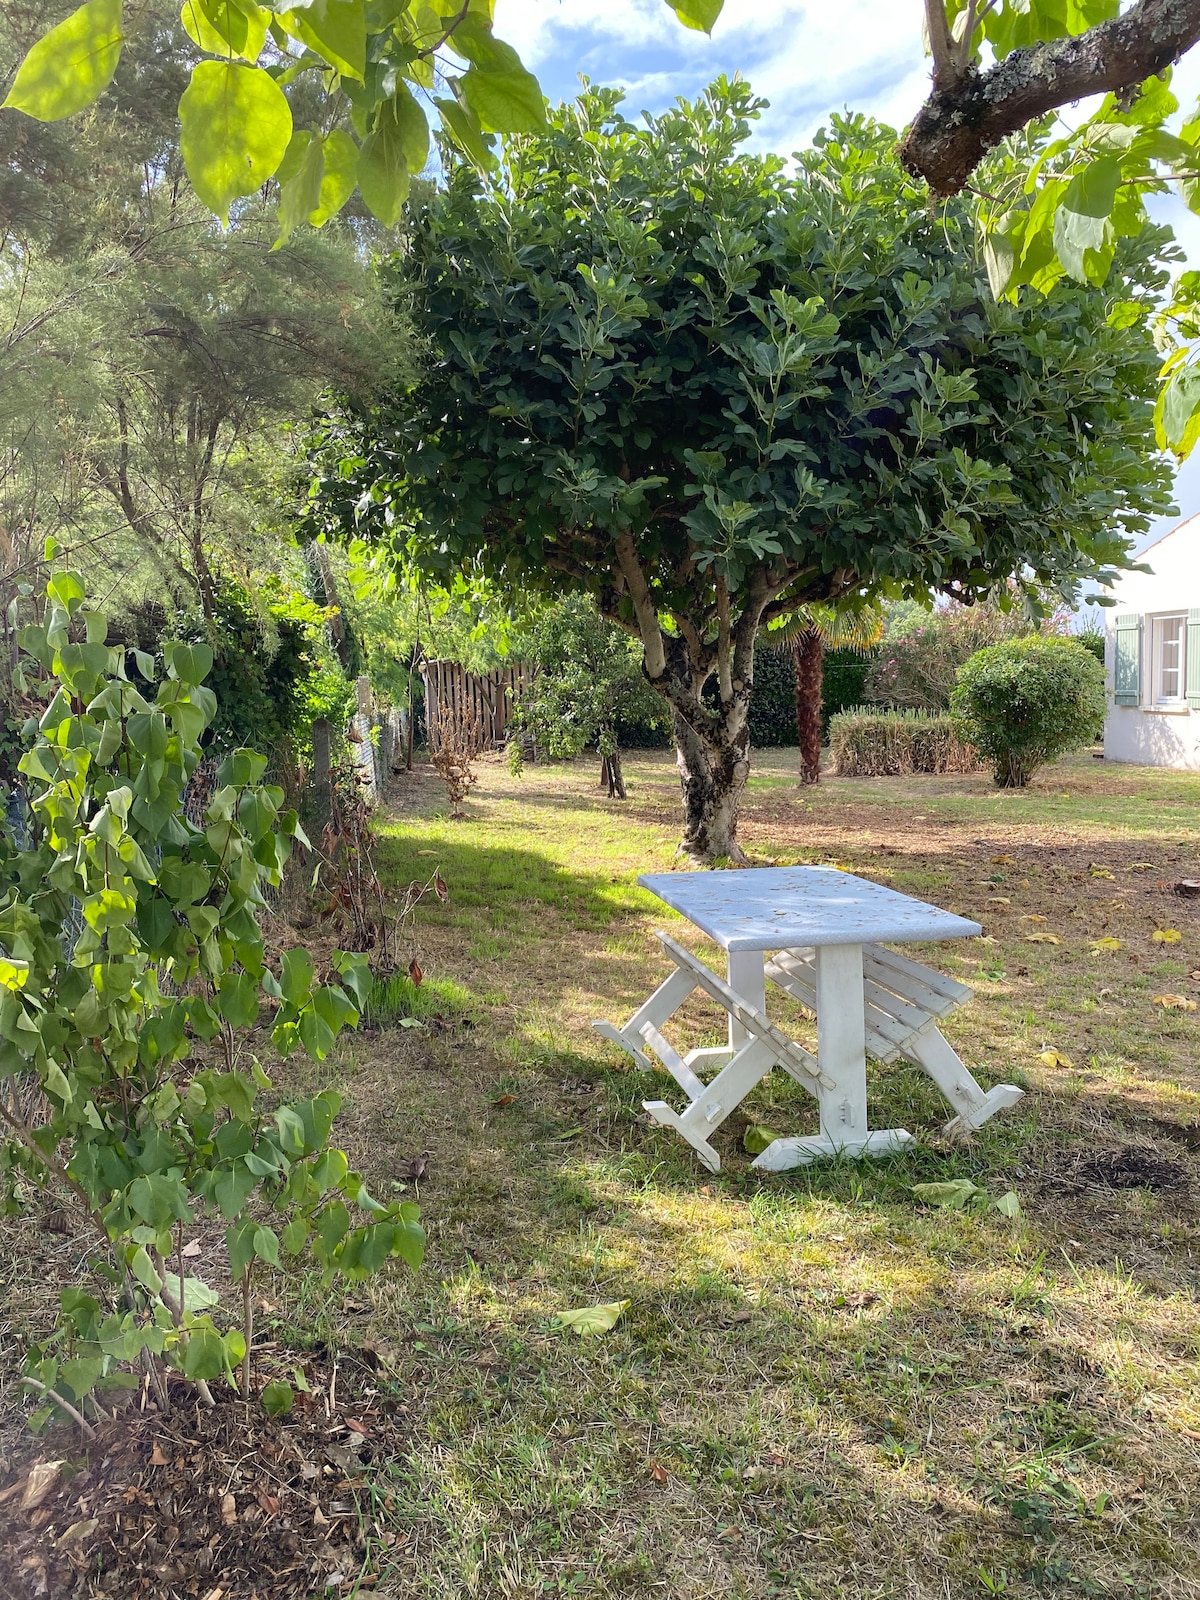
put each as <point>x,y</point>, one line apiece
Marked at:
<point>807,57</point>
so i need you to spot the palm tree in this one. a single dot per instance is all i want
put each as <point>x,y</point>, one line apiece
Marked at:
<point>807,634</point>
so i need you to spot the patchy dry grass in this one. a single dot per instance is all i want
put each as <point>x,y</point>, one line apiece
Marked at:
<point>820,1389</point>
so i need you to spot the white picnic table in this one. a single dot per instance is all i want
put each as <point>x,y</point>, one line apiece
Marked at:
<point>821,935</point>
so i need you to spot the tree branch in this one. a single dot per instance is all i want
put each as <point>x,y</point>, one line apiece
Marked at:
<point>969,113</point>
<point>643,605</point>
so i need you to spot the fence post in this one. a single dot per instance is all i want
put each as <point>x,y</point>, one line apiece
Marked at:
<point>322,744</point>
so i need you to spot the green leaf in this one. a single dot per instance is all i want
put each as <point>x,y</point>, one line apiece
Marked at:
<point>594,1319</point>
<point>383,173</point>
<point>192,663</point>
<point>237,1000</point>
<point>278,1398</point>
<point>143,1270</point>
<point>296,977</point>
<point>295,1236</point>
<point>226,27</point>
<point>335,29</point>
<point>339,177</point>
<point>316,1035</point>
<point>239,1246</point>
<point>1081,221</point>
<point>235,124</point>
<point>266,1246</point>
<point>757,1137</point>
<point>505,99</point>
<point>1008,1205</point>
<point>72,65</point>
<point>464,128</point>
<point>697,14</point>
<point>953,1194</point>
<point>1177,411</point>
<point>204,1354</point>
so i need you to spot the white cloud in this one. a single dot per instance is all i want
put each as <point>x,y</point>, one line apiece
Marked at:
<point>806,56</point>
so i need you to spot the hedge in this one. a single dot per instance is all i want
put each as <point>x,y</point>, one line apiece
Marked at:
<point>773,703</point>
<point>868,743</point>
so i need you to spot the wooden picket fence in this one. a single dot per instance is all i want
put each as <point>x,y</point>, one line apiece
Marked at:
<point>490,697</point>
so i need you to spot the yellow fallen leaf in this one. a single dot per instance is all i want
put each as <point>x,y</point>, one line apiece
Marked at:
<point>1033,917</point>
<point>1101,872</point>
<point>984,938</point>
<point>1166,936</point>
<point>1097,946</point>
<point>1055,1058</point>
<point>1002,861</point>
<point>1174,1002</point>
<point>1142,866</point>
<point>1042,938</point>
<point>593,1319</point>
<point>999,900</point>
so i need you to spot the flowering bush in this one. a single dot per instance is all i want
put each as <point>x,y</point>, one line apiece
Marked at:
<point>923,650</point>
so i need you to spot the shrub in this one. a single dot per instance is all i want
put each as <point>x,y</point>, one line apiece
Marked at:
<point>883,744</point>
<point>923,650</point>
<point>1026,701</point>
<point>129,1029</point>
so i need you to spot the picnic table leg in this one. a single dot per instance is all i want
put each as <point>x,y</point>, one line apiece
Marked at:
<point>747,978</point>
<point>842,1055</point>
<point>842,1043</point>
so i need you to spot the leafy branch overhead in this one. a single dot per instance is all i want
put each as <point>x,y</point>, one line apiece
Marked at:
<point>999,68</point>
<point>387,64</point>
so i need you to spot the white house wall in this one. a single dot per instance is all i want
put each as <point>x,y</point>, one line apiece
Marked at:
<point>1146,734</point>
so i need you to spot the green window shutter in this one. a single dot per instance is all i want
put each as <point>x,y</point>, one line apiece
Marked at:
<point>1127,669</point>
<point>1192,658</point>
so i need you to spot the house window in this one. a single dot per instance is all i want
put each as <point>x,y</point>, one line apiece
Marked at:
<point>1169,644</point>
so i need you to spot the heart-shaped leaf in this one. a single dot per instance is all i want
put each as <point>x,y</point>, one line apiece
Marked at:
<point>594,1319</point>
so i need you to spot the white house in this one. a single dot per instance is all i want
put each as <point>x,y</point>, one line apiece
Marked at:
<point>1153,656</point>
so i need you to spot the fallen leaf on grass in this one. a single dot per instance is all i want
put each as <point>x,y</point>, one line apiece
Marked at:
<point>658,1473</point>
<point>192,1248</point>
<point>1002,861</point>
<point>953,1194</point>
<point>1033,917</point>
<point>415,973</point>
<point>157,1459</point>
<point>1101,872</point>
<point>569,1133</point>
<point>958,1193</point>
<point>1195,976</point>
<point>858,1301</point>
<point>594,1319</point>
<point>1143,866</point>
<point>506,1100</point>
<point>228,1510</point>
<point>757,1137</point>
<point>78,1532</point>
<point>1055,1058</point>
<point>999,900</point>
<point>985,938</point>
<point>1042,938</point>
<point>1099,946</point>
<point>1166,936</point>
<point>1174,1002</point>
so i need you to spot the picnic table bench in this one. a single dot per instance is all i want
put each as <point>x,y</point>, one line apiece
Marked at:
<point>820,935</point>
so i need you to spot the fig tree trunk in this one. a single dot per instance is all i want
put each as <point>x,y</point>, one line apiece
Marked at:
<point>810,674</point>
<point>713,768</point>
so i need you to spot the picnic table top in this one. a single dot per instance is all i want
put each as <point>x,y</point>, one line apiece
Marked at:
<point>773,908</point>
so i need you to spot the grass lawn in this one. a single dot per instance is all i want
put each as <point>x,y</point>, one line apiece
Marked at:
<point>820,1388</point>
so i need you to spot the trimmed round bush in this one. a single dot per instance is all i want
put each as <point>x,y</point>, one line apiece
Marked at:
<point>1026,701</point>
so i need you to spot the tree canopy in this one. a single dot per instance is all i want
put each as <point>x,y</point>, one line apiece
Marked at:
<point>369,73</point>
<point>710,391</point>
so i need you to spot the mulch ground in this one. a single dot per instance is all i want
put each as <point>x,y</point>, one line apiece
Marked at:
<point>221,1504</point>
